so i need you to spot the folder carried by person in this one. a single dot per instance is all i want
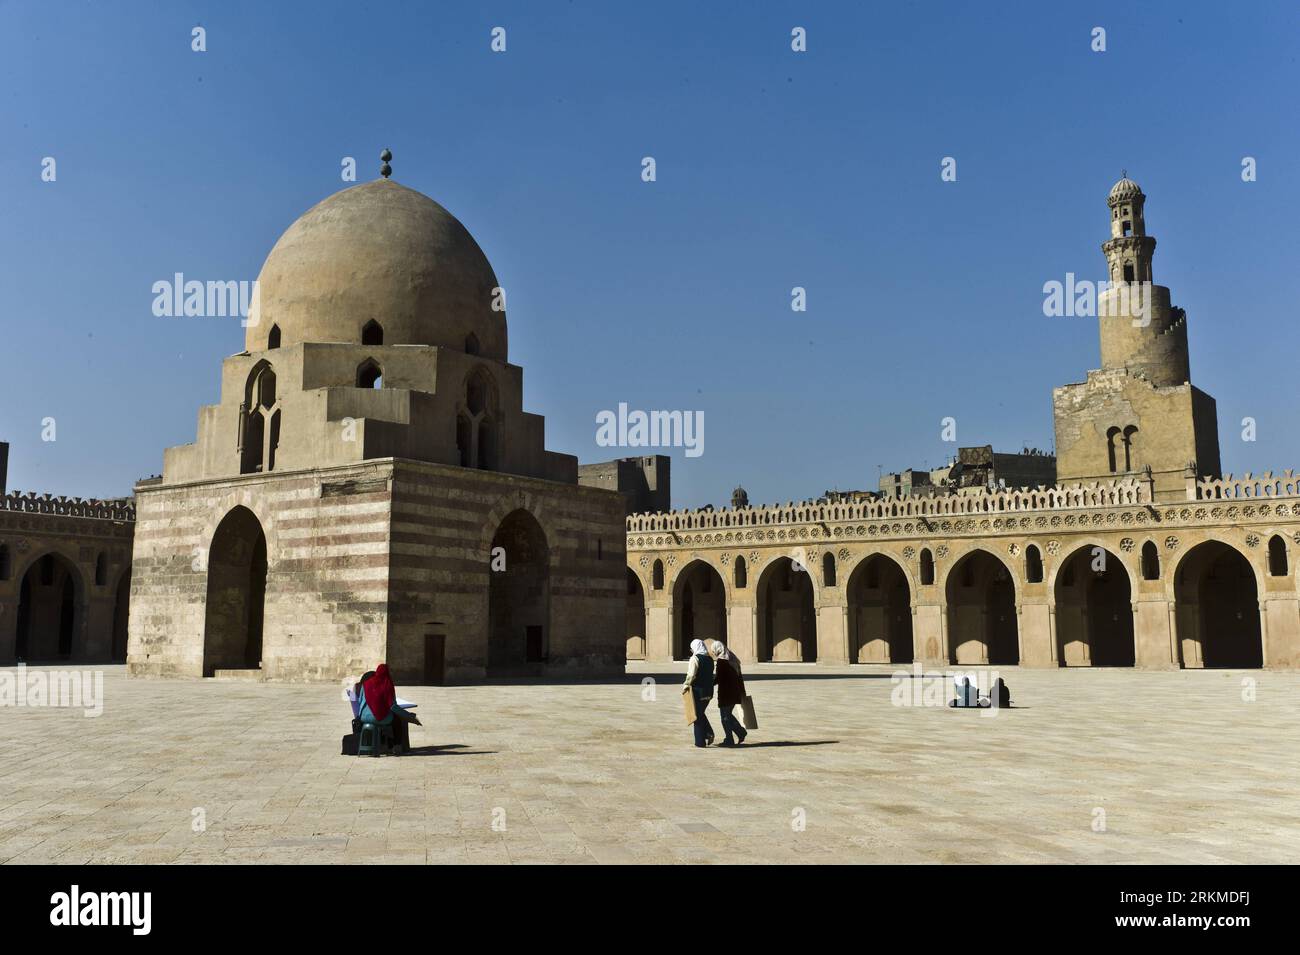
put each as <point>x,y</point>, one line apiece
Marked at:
<point>747,709</point>
<point>688,701</point>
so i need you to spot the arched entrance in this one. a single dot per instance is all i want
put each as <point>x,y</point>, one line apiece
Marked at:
<point>699,607</point>
<point>982,624</point>
<point>1094,610</point>
<point>635,617</point>
<point>121,612</point>
<point>787,619</point>
<point>1217,605</point>
<point>880,612</point>
<point>232,633</point>
<point>50,610</point>
<point>519,596</point>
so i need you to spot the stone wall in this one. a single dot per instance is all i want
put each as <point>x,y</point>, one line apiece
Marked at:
<point>443,524</point>
<point>364,562</point>
<point>1244,515</point>
<point>93,540</point>
<point>327,570</point>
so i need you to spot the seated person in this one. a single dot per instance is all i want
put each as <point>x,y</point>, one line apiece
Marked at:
<point>967,693</point>
<point>377,704</point>
<point>999,694</point>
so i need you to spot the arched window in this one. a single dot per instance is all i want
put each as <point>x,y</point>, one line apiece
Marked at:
<point>1276,556</point>
<point>927,566</point>
<point>471,344</point>
<point>1130,448</point>
<point>259,423</point>
<point>483,447</point>
<point>6,562</point>
<point>372,333</point>
<point>1033,564</point>
<point>742,573</point>
<point>101,569</point>
<point>273,339</point>
<point>657,576</point>
<point>1112,448</point>
<point>478,392</point>
<point>1150,561</point>
<point>370,375</point>
<point>828,569</point>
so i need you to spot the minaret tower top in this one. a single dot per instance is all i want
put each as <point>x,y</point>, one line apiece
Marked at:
<point>1129,249</point>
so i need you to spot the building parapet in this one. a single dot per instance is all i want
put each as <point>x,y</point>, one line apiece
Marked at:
<point>1246,486</point>
<point>33,503</point>
<point>1129,491</point>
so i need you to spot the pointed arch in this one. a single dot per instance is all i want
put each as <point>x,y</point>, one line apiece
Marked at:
<point>927,567</point>
<point>236,594</point>
<point>1150,561</point>
<point>478,438</point>
<point>273,338</point>
<point>372,333</point>
<point>370,374</point>
<point>982,620</point>
<point>519,595</point>
<point>257,439</point>
<point>635,617</point>
<point>1216,600</point>
<point>1112,449</point>
<point>1277,560</point>
<point>1033,564</point>
<point>787,617</point>
<point>51,609</point>
<point>879,601</point>
<point>699,606</point>
<point>1093,602</point>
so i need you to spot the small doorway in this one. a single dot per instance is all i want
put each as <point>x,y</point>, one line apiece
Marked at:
<point>534,643</point>
<point>435,659</point>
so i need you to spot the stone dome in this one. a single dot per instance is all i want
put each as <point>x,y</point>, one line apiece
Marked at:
<point>1126,188</point>
<point>382,252</point>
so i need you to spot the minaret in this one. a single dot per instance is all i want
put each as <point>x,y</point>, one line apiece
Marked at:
<point>1138,416</point>
<point>1140,330</point>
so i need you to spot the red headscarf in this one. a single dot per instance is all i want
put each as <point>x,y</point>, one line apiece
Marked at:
<point>381,696</point>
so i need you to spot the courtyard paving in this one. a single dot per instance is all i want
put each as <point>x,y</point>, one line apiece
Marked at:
<point>1094,766</point>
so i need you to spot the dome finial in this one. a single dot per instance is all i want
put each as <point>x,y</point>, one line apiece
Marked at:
<point>1123,173</point>
<point>386,170</point>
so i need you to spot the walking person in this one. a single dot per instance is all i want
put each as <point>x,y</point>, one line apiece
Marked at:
<point>731,692</point>
<point>699,681</point>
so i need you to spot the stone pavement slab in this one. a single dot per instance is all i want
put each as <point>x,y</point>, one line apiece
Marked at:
<point>1092,766</point>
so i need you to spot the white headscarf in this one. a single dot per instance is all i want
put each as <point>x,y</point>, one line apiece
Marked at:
<point>720,651</point>
<point>698,647</point>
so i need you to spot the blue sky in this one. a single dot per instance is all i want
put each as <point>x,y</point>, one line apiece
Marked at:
<point>775,169</point>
